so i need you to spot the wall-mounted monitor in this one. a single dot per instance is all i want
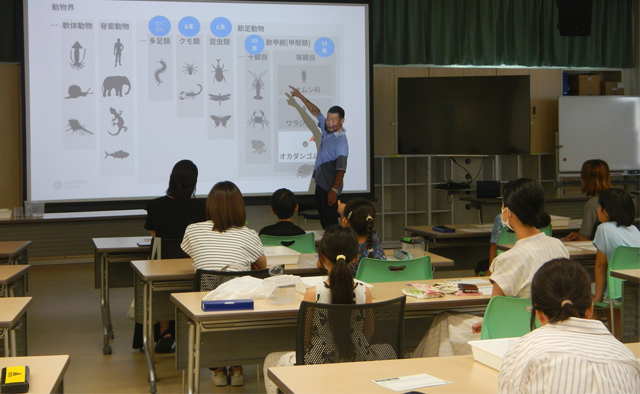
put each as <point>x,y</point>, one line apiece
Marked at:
<point>118,91</point>
<point>464,115</point>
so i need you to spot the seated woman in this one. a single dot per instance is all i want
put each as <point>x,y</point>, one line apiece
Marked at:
<point>616,212</point>
<point>594,178</point>
<point>570,353</point>
<point>523,204</point>
<point>224,242</point>
<point>167,218</point>
<point>360,215</point>
<point>338,247</point>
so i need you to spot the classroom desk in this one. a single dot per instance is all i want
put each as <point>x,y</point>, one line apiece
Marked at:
<point>465,374</point>
<point>13,280</point>
<point>157,279</point>
<point>474,233</point>
<point>12,309</point>
<point>578,250</point>
<point>231,336</point>
<point>630,308</point>
<point>107,252</point>
<point>14,252</point>
<point>46,373</point>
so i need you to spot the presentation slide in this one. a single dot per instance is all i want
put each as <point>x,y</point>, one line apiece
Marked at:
<point>118,91</point>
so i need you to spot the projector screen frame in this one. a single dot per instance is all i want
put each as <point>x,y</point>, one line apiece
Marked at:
<point>107,204</point>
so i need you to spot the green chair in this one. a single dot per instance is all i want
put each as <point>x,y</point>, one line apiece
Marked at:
<point>374,271</point>
<point>301,243</point>
<point>507,317</point>
<point>509,237</point>
<point>623,258</point>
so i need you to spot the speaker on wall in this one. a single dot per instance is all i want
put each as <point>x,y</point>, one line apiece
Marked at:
<point>574,17</point>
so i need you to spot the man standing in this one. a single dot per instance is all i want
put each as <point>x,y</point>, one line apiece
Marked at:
<point>331,161</point>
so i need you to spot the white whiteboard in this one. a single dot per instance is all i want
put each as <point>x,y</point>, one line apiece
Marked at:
<point>599,127</point>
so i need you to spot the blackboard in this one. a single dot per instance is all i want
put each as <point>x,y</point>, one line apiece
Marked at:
<point>599,127</point>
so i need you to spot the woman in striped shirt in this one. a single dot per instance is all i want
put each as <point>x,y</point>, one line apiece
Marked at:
<point>570,353</point>
<point>223,241</point>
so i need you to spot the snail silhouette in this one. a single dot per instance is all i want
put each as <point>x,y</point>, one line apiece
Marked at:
<point>75,91</point>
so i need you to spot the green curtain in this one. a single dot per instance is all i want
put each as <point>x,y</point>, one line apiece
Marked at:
<point>498,32</point>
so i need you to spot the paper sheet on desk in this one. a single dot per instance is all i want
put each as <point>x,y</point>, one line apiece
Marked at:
<point>471,230</point>
<point>410,382</point>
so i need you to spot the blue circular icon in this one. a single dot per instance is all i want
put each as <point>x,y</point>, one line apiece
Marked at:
<point>159,26</point>
<point>221,27</point>
<point>324,47</point>
<point>189,26</point>
<point>254,44</point>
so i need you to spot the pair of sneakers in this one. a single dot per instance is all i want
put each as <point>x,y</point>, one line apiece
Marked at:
<point>235,377</point>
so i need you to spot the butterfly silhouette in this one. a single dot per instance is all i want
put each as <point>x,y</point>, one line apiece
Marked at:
<point>221,119</point>
<point>219,97</point>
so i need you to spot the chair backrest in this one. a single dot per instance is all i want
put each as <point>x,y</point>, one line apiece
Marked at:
<point>166,248</point>
<point>623,258</point>
<point>507,317</point>
<point>507,236</point>
<point>304,243</point>
<point>329,333</point>
<point>374,270</point>
<point>207,280</point>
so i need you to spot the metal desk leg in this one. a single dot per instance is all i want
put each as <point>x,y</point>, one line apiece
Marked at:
<point>190,371</point>
<point>147,327</point>
<point>104,302</point>
<point>6,343</point>
<point>196,357</point>
<point>14,347</point>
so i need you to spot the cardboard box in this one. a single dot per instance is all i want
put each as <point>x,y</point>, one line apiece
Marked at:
<point>490,352</point>
<point>613,88</point>
<point>585,84</point>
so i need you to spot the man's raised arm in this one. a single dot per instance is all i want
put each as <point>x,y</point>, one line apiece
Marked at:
<point>310,106</point>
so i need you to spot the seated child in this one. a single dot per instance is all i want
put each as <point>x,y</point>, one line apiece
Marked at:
<point>338,248</point>
<point>360,215</point>
<point>284,206</point>
<point>570,353</point>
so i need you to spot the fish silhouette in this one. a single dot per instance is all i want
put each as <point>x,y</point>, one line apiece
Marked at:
<point>117,155</point>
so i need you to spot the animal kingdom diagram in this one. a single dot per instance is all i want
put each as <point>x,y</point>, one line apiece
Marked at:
<point>74,56</point>
<point>219,72</point>
<point>117,121</point>
<point>190,95</point>
<point>257,84</point>
<point>258,118</point>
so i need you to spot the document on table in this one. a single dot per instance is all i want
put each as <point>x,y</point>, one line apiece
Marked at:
<point>410,382</point>
<point>471,230</point>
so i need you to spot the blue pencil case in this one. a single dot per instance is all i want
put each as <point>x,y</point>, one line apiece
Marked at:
<point>444,229</point>
<point>227,305</point>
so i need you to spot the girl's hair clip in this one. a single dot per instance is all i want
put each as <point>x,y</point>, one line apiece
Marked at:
<point>369,218</point>
<point>341,256</point>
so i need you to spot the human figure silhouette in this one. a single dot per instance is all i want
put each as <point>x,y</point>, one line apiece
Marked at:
<point>117,50</point>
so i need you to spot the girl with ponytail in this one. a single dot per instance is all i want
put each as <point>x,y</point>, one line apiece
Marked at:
<point>338,248</point>
<point>570,352</point>
<point>359,214</point>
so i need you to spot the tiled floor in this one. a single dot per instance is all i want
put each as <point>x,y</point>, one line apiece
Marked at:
<point>65,319</point>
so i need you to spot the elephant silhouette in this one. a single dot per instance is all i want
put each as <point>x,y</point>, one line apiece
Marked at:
<point>117,83</point>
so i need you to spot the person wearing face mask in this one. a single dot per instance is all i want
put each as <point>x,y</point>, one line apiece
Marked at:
<point>512,271</point>
<point>331,161</point>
